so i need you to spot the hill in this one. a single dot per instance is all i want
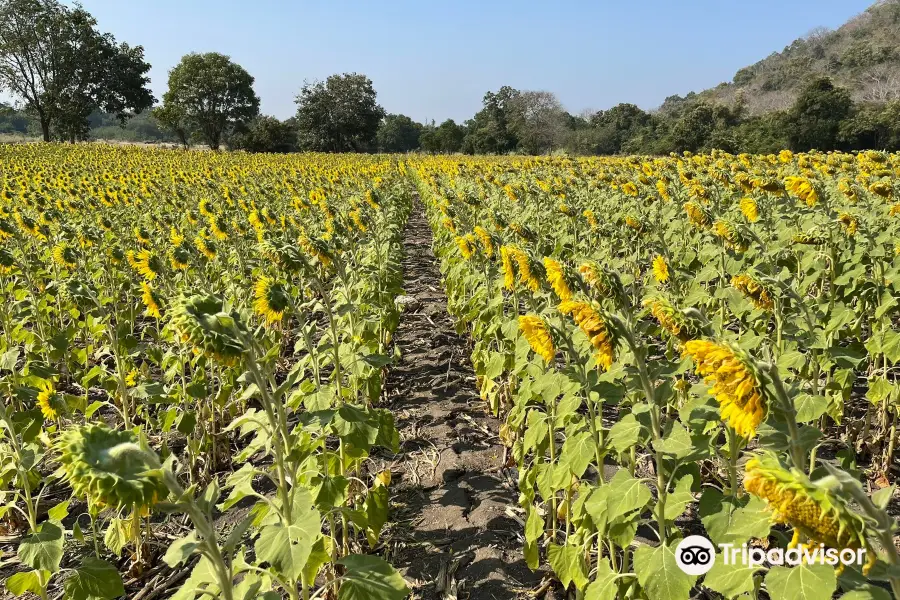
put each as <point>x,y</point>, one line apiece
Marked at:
<point>863,55</point>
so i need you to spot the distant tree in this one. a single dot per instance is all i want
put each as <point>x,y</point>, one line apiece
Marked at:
<point>447,137</point>
<point>266,134</point>
<point>53,60</point>
<point>873,126</point>
<point>538,121</point>
<point>340,114</point>
<point>174,118</point>
<point>619,124</point>
<point>209,96</point>
<point>490,131</point>
<point>398,133</point>
<point>815,119</point>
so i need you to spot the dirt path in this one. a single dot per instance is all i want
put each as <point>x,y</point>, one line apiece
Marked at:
<point>451,536</point>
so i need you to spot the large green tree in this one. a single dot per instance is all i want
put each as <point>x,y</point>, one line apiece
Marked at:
<point>209,97</point>
<point>447,137</point>
<point>815,119</point>
<point>340,114</point>
<point>490,131</point>
<point>61,68</point>
<point>266,134</point>
<point>398,133</point>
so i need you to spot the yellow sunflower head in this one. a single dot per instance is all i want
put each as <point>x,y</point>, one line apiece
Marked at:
<point>538,335</point>
<point>271,299</point>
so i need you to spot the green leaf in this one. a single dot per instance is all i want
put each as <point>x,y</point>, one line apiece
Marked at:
<point>26,581</point>
<point>809,407</point>
<point>604,585</point>
<point>680,498</point>
<point>867,592</point>
<point>118,534</point>
<point>577,452</point>
<point>534,529</point>
<point>355,426</point>
<point>241,482</point>
<point>370,578</point>
<point>59,512</point>
<point>659,574</point>
<point>377,505</point>
<point>181,549</point>
<point>626,433</point>
<point>43,549</point>
<point>317,557</point>
<point>803,582</point>
<point>622,495</point>
<point>568,564</point>
<point>331,492</point>
<point>728,520</point>
<point>879,389</point>
<point>730,580</point>
<point>286,546</point>
<point>676,443</point>
<point>94,579</point>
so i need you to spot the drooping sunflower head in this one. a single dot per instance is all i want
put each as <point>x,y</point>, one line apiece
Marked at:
<point>735,384</point>
<point>811,507</point>
<point>595,327</point>
<point>750,209</point>
<point>65,255</point>
<point>849,223</point>
<point>148,265</point>
<point>671,319</point>
<point>271,299</point>
<point>556,277</point>
<point>7,262</point>
<point>466,245</point>
<point>697,214</point>
<point>152,301</point>
<point>660,269</point>
<point>487,242</point>
<point>731,235</point>
<point>50,401</point>
<point>755,291</point>
<point>603,282</point>
<point>110,467</point>
<point>538,335</point>
<point>524,267</point>
<point>203,322</point>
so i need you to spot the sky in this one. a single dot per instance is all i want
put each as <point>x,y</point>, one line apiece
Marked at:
<point>435,60</point>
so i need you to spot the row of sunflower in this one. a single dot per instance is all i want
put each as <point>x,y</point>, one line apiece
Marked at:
<point>686,344</point>
<point>197,333</point>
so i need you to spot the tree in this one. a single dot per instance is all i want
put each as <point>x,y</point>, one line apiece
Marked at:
<point>340,114</point>
<point>398,133</point>
<point>174,118</point>
<point>538,121</point>
<point>490,131</point>
<point>447,137</point>
<point>209,96</point>
<point>53,60</point>
<point>266,134</point>
<point>815,119</point>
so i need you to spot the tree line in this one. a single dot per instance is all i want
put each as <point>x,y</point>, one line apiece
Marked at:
<point>68,76</point>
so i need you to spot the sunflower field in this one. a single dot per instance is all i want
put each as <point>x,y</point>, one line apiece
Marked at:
<point>170,316</point>
<point>697,344</point>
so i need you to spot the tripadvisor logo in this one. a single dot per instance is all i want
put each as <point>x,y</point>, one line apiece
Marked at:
<point>696,555</point>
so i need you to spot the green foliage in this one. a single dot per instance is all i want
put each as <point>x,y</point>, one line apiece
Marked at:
<point>398,133</point>
<point>447,137</point>
<point>815,119</point>
<point>209,96</point>
<point>340,114</point>
<point>73,69</point>
<point>266,134</point>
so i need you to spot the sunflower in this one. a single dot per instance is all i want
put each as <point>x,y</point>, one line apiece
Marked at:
<point>466,244</point>
<point>50,402</point>
<point>64,255</point>
<point>606,283</point>
<point>110,467</point>
<point>180,257</point>
<point>595,328</point>
<point>271,299</point>
<point>754,290</point>
<point>660,269</point>
<point>7,262</point>
<point>670,318</point>
<point>810,507</point>
<point>538,335</point>
<point>556,277</point>
<point>509,274</point>
<point>849,223</point>
<point>731,236</point>
<point>151,301</point>
<point>735,385</point>
<point>750,209</point>
<point>206,247</point>
<point>487,243</point>
<point>203,322</point>
<point>697,215</point>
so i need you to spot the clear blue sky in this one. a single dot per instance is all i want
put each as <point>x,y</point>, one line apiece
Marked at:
<point>435,60</point>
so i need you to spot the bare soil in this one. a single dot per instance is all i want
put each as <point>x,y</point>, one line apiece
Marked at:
<point>452,533</point>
